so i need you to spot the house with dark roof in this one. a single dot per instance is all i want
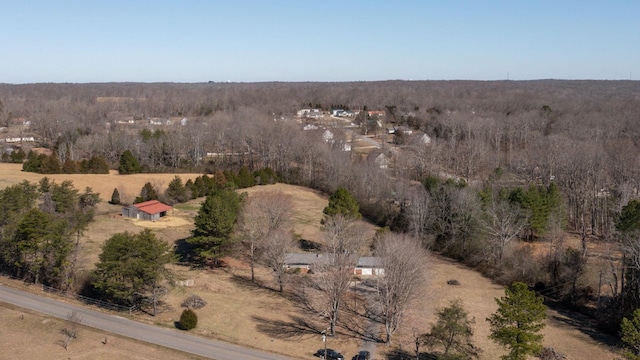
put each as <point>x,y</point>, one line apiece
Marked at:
<point>151,210</point>
<point>304,262</point>
<point>366,265</point>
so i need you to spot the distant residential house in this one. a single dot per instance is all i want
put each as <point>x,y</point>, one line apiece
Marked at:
<point>337,112</point>
<point>369,266</point>
<point>20,139</point>
<point>404,130</point>
<point>426,139</point>
<point>383,161</point>
<point>309,112</point>
<point>378,113</point>
<point>151,210</point>
<point>304,262</point>
<point>327,136</point>
<point>366,266</point>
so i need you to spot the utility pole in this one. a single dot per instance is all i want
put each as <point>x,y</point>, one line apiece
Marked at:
<point>324,340</point>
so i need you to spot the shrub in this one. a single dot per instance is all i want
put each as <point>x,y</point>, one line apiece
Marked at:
<point>188,319</point>
<point>194,302</point>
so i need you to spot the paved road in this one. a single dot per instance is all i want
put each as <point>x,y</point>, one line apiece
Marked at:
<point>118,325</point>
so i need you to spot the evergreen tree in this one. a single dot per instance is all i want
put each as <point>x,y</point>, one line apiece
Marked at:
<point>176,191</point>
<point>51,165</point>
<point>245,179</point>
<point>43,247</point>
<point>630,334</point>
<point>188,319</point>
<point>148,192</point>
<point>34,162</point>
<point>628,226</point>
<point>341,202</point>
<point>69,167</point>
<point>629,219</point>
<point>215,222</point>
<point>17,156</point>
<point>95,165</point>
<point>132,268</point>
<point>518,321</point>
<point>128,164</point>
<point>64,197</point>
<point>115,197</point>
<point>541,203</point>
<point>189,185</point>
<point>453,333</point>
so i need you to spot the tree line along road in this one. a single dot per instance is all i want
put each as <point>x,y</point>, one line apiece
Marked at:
<point>124,327</point>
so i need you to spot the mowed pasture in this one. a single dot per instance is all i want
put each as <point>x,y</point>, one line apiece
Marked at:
<point>255,315</point>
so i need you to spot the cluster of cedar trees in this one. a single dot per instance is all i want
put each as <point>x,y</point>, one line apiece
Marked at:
<point>40,226</point>
<point>50,164</point>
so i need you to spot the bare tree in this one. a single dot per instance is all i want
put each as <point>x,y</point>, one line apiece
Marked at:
<point>74,319</point>
<point>343,241</point>
<point>264,213</point>
<point>503,223</point>
<point>276,247</point>
<point>403,259</point>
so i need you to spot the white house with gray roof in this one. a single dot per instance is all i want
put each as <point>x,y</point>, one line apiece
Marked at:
<point>366,265</point>
<point>369,266</point>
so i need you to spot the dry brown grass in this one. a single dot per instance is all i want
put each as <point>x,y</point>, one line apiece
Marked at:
<point>257,316</point>
<point>128,185</point>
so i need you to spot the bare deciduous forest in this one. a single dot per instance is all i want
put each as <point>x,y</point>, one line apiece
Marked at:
<point>523,180</point>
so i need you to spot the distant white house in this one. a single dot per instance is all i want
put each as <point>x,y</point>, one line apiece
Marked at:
<point>426,139</point>
<point>20,139</point>
<point>383,161</point>
<point>308,112</point>
<point>327,136</point>
<point>369,266</point>
<point>365,266</point>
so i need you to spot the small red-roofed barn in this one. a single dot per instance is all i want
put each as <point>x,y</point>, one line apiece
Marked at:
<point>149,210</point>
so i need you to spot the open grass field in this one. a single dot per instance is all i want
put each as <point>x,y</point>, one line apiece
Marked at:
<point>255,315</point>
<point>128,185</point>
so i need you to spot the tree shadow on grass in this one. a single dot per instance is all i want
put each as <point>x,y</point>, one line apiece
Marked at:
<point>583,323</point>
<point>246,283</point>
<point>398,354</point>
<point>297,327</point>
<point>184,251</point>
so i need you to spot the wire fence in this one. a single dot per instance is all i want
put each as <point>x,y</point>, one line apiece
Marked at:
<point>91,301</point>
<point>85,299</point>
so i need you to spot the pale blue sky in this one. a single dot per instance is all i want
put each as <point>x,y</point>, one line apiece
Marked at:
<point>323,40</point>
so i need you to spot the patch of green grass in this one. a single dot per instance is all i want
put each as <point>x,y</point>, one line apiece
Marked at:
<point>187,207</point>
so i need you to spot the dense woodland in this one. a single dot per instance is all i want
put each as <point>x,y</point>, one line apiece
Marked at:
<point>527,163</point>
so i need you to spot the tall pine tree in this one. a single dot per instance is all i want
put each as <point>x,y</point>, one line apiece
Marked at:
<point>518,321</point>
<point>215,223</point>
